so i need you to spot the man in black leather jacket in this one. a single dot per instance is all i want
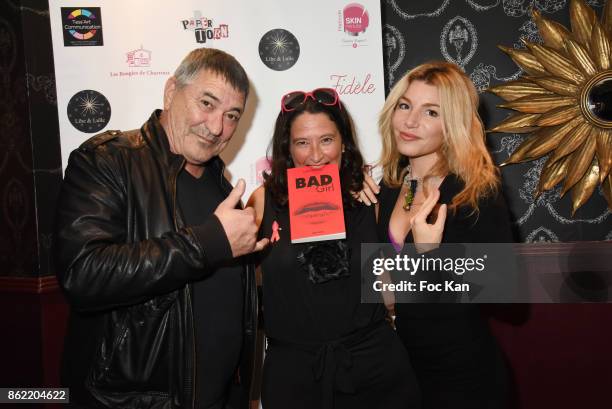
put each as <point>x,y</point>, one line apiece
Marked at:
<point>132,264</point>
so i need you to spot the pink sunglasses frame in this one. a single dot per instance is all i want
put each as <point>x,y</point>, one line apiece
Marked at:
<point>310,94</point>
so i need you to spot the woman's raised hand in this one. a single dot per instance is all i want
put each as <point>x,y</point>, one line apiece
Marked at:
<point>427,236</point>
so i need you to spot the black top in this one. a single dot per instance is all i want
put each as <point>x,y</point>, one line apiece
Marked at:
<point>490,225</point>
<point>217,299</point>
<point>297,310</point>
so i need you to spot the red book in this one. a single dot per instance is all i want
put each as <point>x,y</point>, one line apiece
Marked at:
<point>315,204</point>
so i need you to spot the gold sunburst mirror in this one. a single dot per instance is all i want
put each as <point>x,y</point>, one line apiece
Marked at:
<point>565,101</point>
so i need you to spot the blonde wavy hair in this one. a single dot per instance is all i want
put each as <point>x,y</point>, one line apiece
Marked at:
<point>463,151</point>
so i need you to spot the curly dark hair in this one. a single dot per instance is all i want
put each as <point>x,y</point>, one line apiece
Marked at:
<point>351,165</point>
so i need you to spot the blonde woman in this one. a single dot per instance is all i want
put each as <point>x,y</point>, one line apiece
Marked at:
<point>436,167</point>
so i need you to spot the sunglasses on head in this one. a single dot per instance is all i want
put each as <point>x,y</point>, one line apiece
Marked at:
<point>324,96</point>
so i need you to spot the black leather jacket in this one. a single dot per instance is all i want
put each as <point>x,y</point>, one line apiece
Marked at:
<point>126,260</point>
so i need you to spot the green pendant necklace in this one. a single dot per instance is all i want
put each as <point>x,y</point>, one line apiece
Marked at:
<point>412,185</point>
<point>409,196</point>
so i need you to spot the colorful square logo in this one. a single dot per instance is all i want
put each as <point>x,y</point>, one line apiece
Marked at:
<point>82,26</point>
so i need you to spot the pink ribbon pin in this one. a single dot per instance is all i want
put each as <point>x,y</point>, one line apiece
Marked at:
<point>275,229</point>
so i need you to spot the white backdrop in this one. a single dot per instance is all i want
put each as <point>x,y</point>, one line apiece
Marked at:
<point>329,56</point>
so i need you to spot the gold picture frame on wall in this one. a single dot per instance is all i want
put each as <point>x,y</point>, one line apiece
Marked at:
<point>564,100</point>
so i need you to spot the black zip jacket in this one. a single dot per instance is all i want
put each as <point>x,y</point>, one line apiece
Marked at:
<point>126,260</point>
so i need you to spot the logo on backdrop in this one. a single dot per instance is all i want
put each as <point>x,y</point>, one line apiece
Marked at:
<point>353,21</point>
<point>139,58</point>
<point>139,64</point>
<point>279,49</point>
<point>89,111</point>
<point>349,84</point>
<point>204,28</point>
<point>82,26</point>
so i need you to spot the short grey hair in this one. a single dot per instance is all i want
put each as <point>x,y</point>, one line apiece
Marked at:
<point>216,61</point>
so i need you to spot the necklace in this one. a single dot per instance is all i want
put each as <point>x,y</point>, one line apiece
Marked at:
<point>412,185</point>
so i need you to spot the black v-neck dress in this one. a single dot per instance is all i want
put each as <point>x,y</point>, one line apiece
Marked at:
<point>456,360</point>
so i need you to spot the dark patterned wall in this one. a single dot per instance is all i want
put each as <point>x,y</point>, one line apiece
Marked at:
<point>44,124</point>
<point>17,210</point>
<point>31,305</point>
<point>30,163</point>
<point>467,32</point>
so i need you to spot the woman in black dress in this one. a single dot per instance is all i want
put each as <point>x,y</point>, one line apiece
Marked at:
<point>435,163</point>
<point>325,348</point>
